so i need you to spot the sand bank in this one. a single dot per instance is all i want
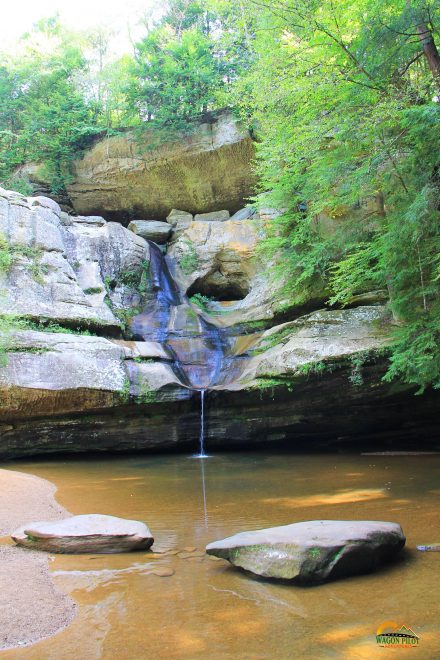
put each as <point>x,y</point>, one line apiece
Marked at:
<point>31,607</point>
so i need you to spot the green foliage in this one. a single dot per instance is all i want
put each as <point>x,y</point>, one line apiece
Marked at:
<point>43,116</point>
<point>201,301</point>
<point>19,184</point>
<point>7,326</point>
<point>185,64</point>
<point>356,378</point>
<point>5,255</point>
<point>345,104</point>
<point>416,357</point>
<point>135,279</point>
<point>189,260</point>
<point>125,392</point>
<point>357,271</point>
<point>146,394</point>
<point>47,325</point>
<point>92,290</point>
<point>315,368</point>
<point>10,253</point>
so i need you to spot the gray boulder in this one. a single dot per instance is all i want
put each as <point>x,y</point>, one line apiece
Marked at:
<point>314,551</point>
<point>244,214</point>
<point>214,216</point>
<point>85,534</point>
<point>179,220</point>
<point>61,263</point>
<point>151,230</point>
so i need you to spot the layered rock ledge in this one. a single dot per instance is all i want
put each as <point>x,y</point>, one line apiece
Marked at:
<point>75,378</point>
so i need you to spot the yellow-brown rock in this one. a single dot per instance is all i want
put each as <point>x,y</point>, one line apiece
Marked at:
<point>204,170</point>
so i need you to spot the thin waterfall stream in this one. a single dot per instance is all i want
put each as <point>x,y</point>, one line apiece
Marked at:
<point>196,347</point>
<point>202,453</point>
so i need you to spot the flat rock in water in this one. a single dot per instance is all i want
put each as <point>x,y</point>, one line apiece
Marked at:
<point>314,551</point>
<point>92,533</point>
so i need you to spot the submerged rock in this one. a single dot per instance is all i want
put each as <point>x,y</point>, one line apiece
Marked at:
<point>85,534</point>
<point>313,551</point>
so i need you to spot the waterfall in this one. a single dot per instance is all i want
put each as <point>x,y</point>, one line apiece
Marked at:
<point>201,453</point>
<point>195,346</point>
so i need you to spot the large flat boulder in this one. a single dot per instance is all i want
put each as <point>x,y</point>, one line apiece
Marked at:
<point>317,341</point>
<point>314,551</point>
<point>92,533</point>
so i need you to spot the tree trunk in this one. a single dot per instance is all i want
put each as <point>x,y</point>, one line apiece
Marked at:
<point>430,50</point>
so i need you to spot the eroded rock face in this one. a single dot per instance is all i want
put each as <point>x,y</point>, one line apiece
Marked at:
<point>93,533</point>
<point>206,170</point>
<point>63,267</point>
<point>314,551</point>
<point>216,258</point>
<point>317,377</point>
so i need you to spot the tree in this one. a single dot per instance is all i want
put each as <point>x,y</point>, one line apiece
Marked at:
<point>344,95</point>
<point>43,117</point>
<point>182,66</point>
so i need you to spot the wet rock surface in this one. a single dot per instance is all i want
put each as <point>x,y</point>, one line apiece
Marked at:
<point>312,552</point>
<point>92,533</point>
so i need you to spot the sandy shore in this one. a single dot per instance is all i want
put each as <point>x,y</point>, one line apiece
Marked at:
<point>31,608</point>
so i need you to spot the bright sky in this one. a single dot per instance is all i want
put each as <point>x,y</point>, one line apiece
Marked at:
<point>18,16</point>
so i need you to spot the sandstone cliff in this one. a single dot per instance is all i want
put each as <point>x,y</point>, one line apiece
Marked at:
<point>76,379</point>
<point>134,175</point>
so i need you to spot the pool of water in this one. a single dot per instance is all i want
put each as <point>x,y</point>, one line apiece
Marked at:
<point>206,608</point>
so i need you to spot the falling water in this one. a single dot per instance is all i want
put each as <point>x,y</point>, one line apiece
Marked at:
<point>202,454</point>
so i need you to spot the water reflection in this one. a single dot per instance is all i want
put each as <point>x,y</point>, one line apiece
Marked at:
<point>178,603</point>
<point>343,496</point>
<point>202,477</point>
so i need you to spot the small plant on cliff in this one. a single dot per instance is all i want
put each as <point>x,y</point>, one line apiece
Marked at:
<point>92,290</point>
<point>5,255</point>
<point>201,301</point>
<point>7,326</point>
<point>146,394</point>
<point>189,260</point>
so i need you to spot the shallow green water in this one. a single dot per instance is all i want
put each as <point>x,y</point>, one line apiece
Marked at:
<point>208,609</point>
